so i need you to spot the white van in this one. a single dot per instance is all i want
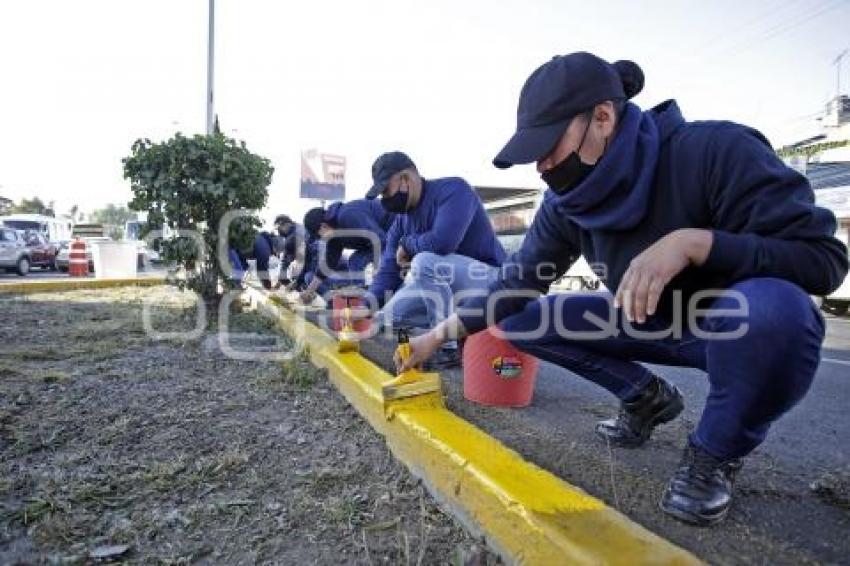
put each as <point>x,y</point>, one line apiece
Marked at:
<point>54,230</point>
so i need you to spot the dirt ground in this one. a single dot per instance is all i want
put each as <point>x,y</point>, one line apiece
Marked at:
<point>115,446</point>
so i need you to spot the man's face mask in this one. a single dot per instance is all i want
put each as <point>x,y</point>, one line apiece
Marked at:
<point>570,172</point>
<point>397,204</point>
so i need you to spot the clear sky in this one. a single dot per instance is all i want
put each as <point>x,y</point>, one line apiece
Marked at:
<point>438,79</point>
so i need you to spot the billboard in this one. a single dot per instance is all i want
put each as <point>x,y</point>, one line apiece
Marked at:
<point>322,175</point>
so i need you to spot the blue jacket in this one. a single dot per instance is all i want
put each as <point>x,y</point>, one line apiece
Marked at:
<point>661,174</point>
<point>449,219</point>
<point>360,214</point>
<point>265,245</point>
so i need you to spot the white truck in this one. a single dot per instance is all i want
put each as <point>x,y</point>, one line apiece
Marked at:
<point>54,230</point>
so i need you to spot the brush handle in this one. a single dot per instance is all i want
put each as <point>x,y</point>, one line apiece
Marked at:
<point>404,351</point>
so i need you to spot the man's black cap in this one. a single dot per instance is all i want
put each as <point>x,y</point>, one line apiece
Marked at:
<point>557,91</point>
<point>313,220</point>
<point>384,168</point>
<point>282,219</point>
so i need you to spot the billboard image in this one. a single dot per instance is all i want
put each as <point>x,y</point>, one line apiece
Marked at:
<point>322,175</point>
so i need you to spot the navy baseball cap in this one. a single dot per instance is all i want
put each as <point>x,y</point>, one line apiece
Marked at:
<point>384,168</point>
<point>557,91</point>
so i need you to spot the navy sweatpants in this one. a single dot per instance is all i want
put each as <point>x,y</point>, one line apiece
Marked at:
<point>754,378</point>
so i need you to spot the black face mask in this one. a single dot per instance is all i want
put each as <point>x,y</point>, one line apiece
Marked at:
<point>397,204</point>
<point>569,172</point>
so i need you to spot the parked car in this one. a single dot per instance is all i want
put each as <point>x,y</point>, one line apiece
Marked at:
<point>14,255</point>
<point>42,253</point>
<point>65,249</point>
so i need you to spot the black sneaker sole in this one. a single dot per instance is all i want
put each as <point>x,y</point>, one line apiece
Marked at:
<point>692,518</point>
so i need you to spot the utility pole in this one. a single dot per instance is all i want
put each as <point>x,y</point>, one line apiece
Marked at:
<point>837,63</point>
<point>210,66</point>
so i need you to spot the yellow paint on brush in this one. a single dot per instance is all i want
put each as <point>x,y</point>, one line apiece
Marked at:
<point>526,514</point>
<point>347,339</point>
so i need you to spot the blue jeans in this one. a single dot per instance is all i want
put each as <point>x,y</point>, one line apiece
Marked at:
<point>753,379</point>
<point>428,294</point>
<point>348,272</point>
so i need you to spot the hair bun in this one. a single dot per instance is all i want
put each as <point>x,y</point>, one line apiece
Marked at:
<point>632,77</point>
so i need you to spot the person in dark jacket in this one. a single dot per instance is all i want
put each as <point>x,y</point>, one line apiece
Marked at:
<point>265,246</point>
<point>710,244</point>
<point>359,225</point>
<point>295,239</point>
<point>299,259</point>
<point>442,236</point>
<point>286,226</point>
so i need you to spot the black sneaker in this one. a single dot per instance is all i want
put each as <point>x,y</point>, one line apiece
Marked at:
<point>700,492</point>
<point>444,358</point>
<point>658,403</point>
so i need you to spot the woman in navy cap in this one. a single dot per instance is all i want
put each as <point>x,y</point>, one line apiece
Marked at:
<point>710,245</point>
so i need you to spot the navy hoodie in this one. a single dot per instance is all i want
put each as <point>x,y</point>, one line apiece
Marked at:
<point>360,214</point>
<point>661,174</point>
<point>449,219</point>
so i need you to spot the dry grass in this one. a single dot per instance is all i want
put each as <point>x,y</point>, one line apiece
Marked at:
<point>108,437</point>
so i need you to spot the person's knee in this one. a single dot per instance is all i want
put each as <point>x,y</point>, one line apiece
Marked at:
<point>770,309</point>
<point>424,262</point>
<point>359,261</point>
<point>432,267</point>
<point>521,329</point>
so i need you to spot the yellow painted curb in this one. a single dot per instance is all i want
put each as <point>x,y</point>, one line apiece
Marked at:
<point>58,285</point>
<point>526,514</point>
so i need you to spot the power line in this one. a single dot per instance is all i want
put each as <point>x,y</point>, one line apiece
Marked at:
<point>837,63</point>
<point>777,31</point>
<point>787,24</point>
<point>757,19</point>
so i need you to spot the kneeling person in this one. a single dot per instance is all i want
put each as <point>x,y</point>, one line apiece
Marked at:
<point>442,235</point>
<point>265,246</point>
<point>366,217</point>
<point>674,209</point>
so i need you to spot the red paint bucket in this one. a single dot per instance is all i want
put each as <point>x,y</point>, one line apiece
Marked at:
<point>340,302</point>
<point>495,373</point>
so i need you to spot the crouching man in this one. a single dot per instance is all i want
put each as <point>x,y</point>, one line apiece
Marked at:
<point>359,225</point>
<point>442,236</point>
<point>265,246</point>
<point>673,209</point>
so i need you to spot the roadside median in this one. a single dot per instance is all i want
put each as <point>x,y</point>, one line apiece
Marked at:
<point>525,513</point>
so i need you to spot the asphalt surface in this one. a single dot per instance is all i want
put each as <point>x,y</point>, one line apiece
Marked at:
<point>792,501</point>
